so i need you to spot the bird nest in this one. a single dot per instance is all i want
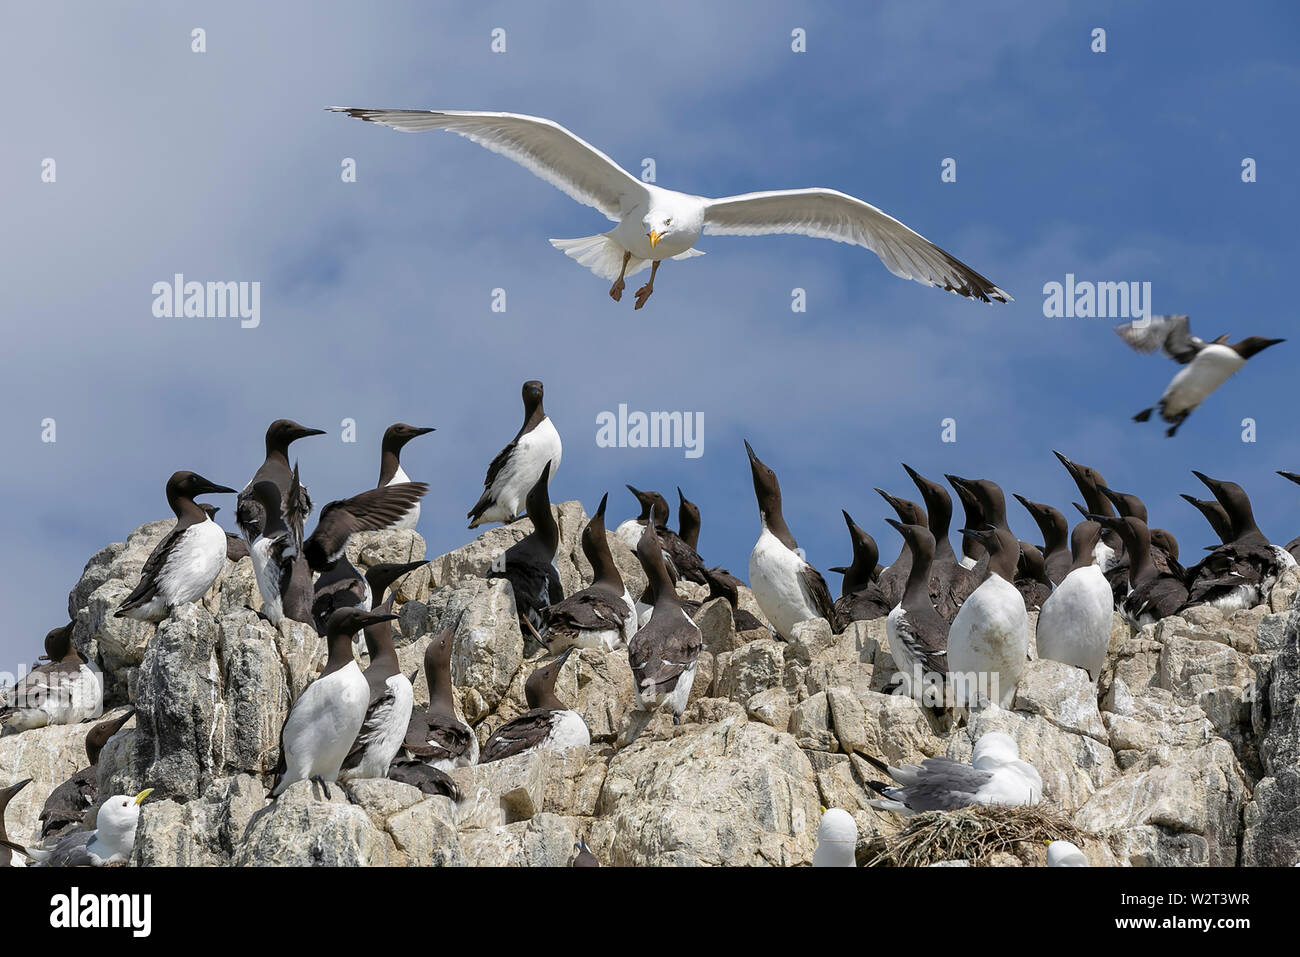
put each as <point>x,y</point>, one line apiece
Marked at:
<point>976,834</point>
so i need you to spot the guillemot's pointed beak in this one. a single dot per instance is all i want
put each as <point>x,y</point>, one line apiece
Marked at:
<point>1291,476</point>
<point>654,238</point>
<point>600,512</point>
<point>139,798</point>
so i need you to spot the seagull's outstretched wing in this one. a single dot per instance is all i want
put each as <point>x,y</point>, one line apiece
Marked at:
<point>829,214</point>
<point>544,147</point>
<point>1169,333</point>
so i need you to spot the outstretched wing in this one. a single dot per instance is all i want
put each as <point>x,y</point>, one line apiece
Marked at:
<point>542,146</point>
<point>370,511</point>
<point>830,214</point>
<point>1170,333</point>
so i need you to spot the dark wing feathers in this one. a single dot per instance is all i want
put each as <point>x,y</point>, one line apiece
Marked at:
<point>528,730</point>
<point>147,587</point>
<point>436,736</point>
<point>494,469</point>
<point>372,510</point>
<point>818,595</point>
<point>587,610</point>
<point>658,658</point>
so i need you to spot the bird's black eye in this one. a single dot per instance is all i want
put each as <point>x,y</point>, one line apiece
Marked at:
<point>668,222</point>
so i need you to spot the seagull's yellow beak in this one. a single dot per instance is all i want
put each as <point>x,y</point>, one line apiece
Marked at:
<point>654,238</point>
<point>139,798</point>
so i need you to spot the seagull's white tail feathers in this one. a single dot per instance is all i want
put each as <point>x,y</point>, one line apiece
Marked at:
<point>600,254</point>
<point>689,254</point>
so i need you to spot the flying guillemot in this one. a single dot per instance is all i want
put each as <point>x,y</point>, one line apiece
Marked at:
<point>68,803</point>
<point>664,654</point>
<point>64,690</point>
<point>1206,365</point>
<point>951,582</point>
<point>917,633</point>
<point>989,638</point>
<point>602,615</point>
<point>529,564</point>
<point>547,724</point>
<point>788,589</point>
<point>341,584</point>
<point>280,434</point>
<point>390,464</point>
<point>323,722</point>
<point>515,469</point>
<point>187,561</point>
<point>1075,621</point>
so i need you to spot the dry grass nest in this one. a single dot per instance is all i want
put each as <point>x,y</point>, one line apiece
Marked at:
<point>976,834</point>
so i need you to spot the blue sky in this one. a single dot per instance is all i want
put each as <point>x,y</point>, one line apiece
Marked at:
<point>1120,166</point>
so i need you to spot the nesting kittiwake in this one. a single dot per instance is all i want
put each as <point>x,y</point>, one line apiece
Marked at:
<point>996,775</point>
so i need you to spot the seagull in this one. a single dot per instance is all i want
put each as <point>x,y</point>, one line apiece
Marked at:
<point>1208,364</point>
<point>995,775</point>
<point>655,224</point>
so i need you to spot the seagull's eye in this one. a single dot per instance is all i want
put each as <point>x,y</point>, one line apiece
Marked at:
<point>668,222</point>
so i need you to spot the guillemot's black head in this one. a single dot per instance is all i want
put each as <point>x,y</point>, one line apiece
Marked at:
<point>909,513</point>
<point>533,393</point>
<point>1083,543</point>
<point>267,495</point>
<point>919,540</point>
<point>211,510</point>
<point>1165,541</point>
<point>1132,531</point>
<point>865,551</point>
<point>380,577</point>
<point>1088,480</point>
<point>189,485</point>
<point>1253,345</point>
<point>7,795</point>
<point>396,436</point>
<point>1289,476</point>
<point>766,488</point>
<point>98,736</point>
<point>650,553</point>
<point>346,622</point>
<point>1031,564</point>
<point>938,503</point>
<point>688,519</point>
<point>1234,500</point>
<point>1125,503</point>
<point>281,433</point>
<point>58,644</point>
<point>1049,520</point>
<point>539,498</point>
<point>1214,513</point>
<point>993,504</point>
<point>539,689</point>
<point>652,503</point>
<point>1003,549</point>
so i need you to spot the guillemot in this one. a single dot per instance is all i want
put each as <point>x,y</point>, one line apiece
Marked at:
<point>1074,622</point>
<point>1126,504</point>
<point>1152,595</point>
<point>653,505</point>
<point>893,579</point>
<point>971,549</point>
<point>861,598</point>
<point>995,776</point>
<point>64,690</point>
<point>602,615</point>
<point>390,464</point>
<point>989,638</point>
<point>435,736</point>
<point>516,467</point>
<point>275,553</point>
<point>68,803</point>
<point>1031,576</point>
<point>1065,854</point>
<point>280,434</point>
<point>323,722</point>
<point>1294,545</point>
<point>1207,365</point>
<point>1090,482</point>
<point>236,547</point>
<point>110,842</point>
<point>389,709</point>
<point>584,857</point>
<point>1240,574</point>
<point>547,724</point>
<point>664,654</point>
<point>341,584</point>
<point>187,561</point>
<point>688,520</point>
<point>951,582</point>
<point>787,588</point>
<point>529,564</point>
<point>1214,514</point>
<point>7,794</point>
<point>1056,538</point>
<point>993,511</point>
<point>917,633</point>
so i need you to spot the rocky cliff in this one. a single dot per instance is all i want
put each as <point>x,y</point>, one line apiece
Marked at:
<point>1187,752</point>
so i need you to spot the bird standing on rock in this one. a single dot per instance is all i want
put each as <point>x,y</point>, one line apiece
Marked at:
<point>655,224</point>
<point>516,467</point>
<point>280,434</point>
<point>989,638</point>
<point>64,690</point>
<point>547,724</point>
<point>390,464</point>
<point>1074,622</point>
<point>664,653</point>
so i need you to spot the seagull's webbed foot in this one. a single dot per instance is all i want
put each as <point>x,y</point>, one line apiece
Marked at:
<point>644,292</point>
<point>616,290</point>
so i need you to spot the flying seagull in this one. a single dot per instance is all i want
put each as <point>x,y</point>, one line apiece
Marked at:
<point>655,224</point>
<point>1207,365</point>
